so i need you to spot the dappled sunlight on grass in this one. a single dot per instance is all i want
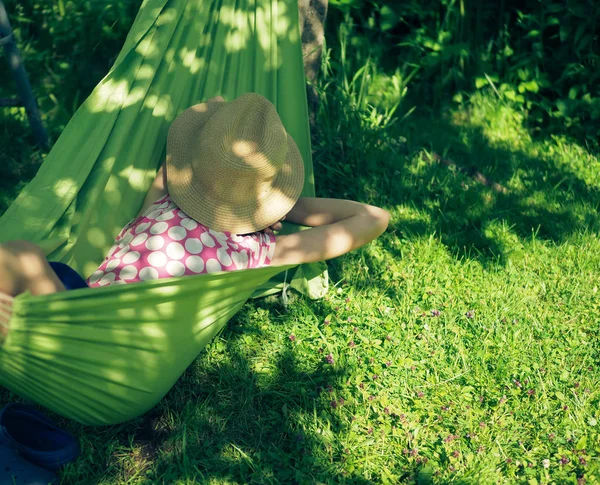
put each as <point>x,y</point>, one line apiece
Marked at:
<point>544,181</point>
<point>459,347</point>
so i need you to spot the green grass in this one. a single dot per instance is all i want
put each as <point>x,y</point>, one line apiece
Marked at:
<point>460,347</point>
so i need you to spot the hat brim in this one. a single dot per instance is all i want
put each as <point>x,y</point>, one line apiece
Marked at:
<point>259,212</point>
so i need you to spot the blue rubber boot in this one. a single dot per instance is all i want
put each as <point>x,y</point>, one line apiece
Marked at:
<point>36,437</point>
<point>15,470</point>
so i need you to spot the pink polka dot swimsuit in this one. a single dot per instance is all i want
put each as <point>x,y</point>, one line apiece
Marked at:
<point>165,242</point>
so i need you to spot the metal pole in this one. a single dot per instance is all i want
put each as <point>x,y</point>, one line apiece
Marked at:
<point>23,86</point>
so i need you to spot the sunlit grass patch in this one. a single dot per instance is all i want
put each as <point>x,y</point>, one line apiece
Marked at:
<point>460,347</point>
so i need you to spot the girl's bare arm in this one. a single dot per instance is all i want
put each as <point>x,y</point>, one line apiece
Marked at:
<point>337,227</point>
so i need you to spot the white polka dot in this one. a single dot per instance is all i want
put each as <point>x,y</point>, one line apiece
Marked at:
<point>239,260</point>
<point>142,227</point>
<point>223,257</point>
<point>236,238</point>
<point>213,266</point>
<point>107,279</point>
<point>252,244</point>
<point>148,273</point>
<point>175,251</point>
<point>128,273</point>
<point>166,216</point>
<point>177,233</point>
<point>175,268</point>
<point>271,251</point>
<point>233,246</point>
<point>139,239</point>
<point>126,239</point>
<point>195,264</point>
<point>219,235</point>
<point>119,282</point>
<point>123,252</point>
<point>112,251</point>
<point>193,245</point>
<point>112,264</point>
<point>131,257</point>
<point>263,257</point>
<point>95,276</point>
<point>155,242</point>
<point>159,228</point>
<point>153,214</point>
<point>153,207</point>
<point>207,240</point>
<point>157,259</point>
<point>189,224</point>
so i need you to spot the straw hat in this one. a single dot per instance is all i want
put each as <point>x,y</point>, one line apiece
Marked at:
<point>232,166</point>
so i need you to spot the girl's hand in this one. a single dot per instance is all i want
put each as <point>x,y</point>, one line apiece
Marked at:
<point>275,227</point>
<point>278,225</point>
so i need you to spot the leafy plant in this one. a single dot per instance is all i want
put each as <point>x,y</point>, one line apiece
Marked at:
<point>544,56</point>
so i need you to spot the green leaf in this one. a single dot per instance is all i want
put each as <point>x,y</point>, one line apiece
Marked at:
<point>523,74</point>
<point>532,86</point>
<point>573,92</point>
<point>584,42</point>
<point>582,443</point>
<point>480,82</point>
<point>389,18</point>
<point>580,11</point>
<point>425,475</point>
<point>562,106</point>
<point>554,7</point>
<point>578,33</point>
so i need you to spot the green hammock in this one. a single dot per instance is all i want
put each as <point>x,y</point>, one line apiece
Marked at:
<point>106,355</point>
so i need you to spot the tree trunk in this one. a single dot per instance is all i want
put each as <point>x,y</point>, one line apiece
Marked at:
<point>312,26</point>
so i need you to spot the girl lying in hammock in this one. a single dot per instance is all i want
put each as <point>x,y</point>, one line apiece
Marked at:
<point>232,174</point>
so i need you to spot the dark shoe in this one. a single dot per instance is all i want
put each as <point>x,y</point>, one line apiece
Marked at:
<point>15,470</point>
<point>36,437</point>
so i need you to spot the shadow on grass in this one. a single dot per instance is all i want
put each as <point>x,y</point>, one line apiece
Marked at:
<point>231,420</point>
<point>546,194</point>
<point>234,424</point>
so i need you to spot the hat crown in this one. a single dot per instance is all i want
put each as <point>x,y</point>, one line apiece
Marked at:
<point>245,143</point>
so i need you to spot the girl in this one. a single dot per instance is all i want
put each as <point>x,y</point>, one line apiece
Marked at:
<point>232,174</point>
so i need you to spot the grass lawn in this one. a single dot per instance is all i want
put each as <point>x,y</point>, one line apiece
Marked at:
<point>460,347</point>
